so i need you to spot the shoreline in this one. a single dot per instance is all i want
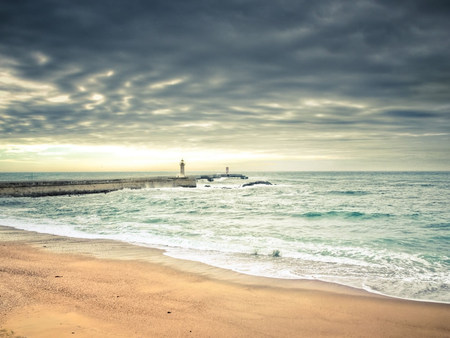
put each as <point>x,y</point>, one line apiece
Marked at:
<point>116,249</point>
<point>61,286</point>
<point>124,251</point>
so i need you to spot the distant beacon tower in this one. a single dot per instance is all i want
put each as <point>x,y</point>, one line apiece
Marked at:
<point>182,168</point>
<point>227,170</point>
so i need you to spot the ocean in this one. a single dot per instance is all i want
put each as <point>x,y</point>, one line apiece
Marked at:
<point>385,232</point>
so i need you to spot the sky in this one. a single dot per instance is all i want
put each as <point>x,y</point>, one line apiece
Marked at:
<point>254,85</point>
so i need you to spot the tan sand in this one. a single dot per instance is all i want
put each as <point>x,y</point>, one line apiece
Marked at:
<point>44,293</point>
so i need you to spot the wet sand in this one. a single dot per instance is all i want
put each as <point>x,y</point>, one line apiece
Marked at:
<point>62,287</point>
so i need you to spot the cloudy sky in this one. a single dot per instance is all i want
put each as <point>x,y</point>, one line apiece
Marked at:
<point>271,85</point>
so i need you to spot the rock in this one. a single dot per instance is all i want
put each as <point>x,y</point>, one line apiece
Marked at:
<point>257,182</point>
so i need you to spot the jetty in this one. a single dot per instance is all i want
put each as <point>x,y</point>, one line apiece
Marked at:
<point>211,178</point>
<point>95,186</point>
<point>78,187</point>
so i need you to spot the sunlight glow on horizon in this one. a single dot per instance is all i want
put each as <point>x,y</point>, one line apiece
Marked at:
<point>50,157</point>
<point>69,157</point>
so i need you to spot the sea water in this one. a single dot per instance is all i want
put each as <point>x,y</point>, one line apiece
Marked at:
<point>386,232</point>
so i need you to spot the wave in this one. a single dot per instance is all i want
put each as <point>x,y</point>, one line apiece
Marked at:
<point>348,192</point>
<point>341,214</point>
<point>437,226</point>
<point>11,202</point>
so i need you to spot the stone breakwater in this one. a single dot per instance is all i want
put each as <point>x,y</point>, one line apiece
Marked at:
<point>77,187</point>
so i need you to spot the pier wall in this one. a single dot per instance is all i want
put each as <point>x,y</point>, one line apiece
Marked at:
<point>53,188</point>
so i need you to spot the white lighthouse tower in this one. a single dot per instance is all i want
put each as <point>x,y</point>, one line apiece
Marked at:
<point>181,169</point>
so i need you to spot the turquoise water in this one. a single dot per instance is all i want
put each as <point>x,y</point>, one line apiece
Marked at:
<point>384,232</point>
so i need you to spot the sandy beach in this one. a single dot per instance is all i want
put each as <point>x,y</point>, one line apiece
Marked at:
<point>61,287</point>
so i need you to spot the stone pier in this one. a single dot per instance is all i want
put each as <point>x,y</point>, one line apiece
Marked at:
<point>77,187</point>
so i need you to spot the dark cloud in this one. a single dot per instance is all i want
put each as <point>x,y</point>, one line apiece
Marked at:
<point>410,114</point>
<point>152,72</point>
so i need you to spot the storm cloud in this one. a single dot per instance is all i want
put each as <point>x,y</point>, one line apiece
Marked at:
<point>345,80</point>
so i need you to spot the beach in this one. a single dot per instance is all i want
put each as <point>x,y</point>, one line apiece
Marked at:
<point>55,286</point>
<point>385,233</point>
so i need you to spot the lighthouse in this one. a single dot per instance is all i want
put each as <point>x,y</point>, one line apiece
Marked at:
<point>181,169</point>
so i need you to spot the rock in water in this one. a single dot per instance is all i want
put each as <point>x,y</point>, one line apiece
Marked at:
<point>257,182</point>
